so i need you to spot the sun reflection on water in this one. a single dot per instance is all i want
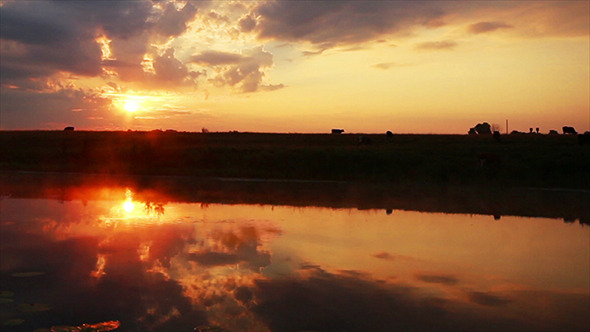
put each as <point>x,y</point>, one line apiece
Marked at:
<point>234,263</point>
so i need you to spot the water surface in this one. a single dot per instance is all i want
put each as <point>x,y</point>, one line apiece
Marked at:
<point>93,255</point>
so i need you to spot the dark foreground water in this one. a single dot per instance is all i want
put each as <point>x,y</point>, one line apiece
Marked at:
<point>102,259</point>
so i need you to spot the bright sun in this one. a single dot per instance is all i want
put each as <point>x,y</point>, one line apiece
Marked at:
<point>131,105</point>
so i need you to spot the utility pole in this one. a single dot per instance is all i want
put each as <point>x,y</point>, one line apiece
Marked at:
<point>506,126</point>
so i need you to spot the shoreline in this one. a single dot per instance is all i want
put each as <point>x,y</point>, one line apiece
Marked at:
<point>569,205</point>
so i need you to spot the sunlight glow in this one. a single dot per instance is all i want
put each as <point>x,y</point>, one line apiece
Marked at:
<point>131,105</point>
<point>128,206</point>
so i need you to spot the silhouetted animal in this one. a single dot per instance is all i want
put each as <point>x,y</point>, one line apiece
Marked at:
<point>365,140</point>
<point>389,134</point>
<point>569,130</point>
<point>337,131</point>
<point>69,129</point>
<point>584,139</point>
<point>553,132</point>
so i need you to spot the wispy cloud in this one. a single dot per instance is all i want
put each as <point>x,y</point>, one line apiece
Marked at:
<point>436,45</point>
<point>483,27</point>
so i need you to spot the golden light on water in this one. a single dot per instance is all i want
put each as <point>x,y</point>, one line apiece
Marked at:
<point>128,205</point>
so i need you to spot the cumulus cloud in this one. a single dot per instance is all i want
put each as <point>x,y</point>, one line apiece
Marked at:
<point>436,45</point>
<point>44,37</point>
<point>171,70</point>
<point>173,22</point>
<point>483,27</point>
<point>247,23</point>
<point>245,70</point>
<point>216,58</point>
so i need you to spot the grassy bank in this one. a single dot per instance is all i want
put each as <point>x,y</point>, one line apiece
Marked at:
<point>515,161</point>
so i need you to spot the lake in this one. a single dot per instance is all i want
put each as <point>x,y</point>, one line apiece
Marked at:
<point>118,257</point>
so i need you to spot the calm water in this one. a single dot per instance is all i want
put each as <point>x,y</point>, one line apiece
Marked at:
<point>106,257</point>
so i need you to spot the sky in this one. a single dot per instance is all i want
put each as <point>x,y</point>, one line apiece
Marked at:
<point>295,66</point>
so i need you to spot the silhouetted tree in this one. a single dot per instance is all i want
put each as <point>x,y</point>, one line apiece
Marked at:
<point>481,129</point>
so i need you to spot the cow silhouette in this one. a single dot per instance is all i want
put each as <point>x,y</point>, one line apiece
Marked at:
<point>337,131</point>
<point>569,130</point>
<point>69,129</point>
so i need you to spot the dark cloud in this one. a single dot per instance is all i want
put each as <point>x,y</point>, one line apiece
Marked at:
<point>438,279</point>
<point>488,299</point>
<point>437,45</point>
<point>323,301</point>
<point>173,22</point>
<point>60,35</point>
<point>342,22</point>
<point>171,70</point>
<point>45,37</point>
<point>37,106</point>
<point>483,27</point>
<point>141,300</point>
<point>247,23</point>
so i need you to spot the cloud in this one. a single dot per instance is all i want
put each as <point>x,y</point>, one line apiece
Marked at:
<point>385,65</point>
<point>234,247</point>
<point>50,108</point>
<point>341,22</point>
<point>488,299</point>
<point>216,58</point>
<point>247,23</point>
<point>245,70</point>
<point>171,70</point>
<point>483,27</point>
<point>436,45</point>
<point>173,22</point>
<point>42,38</point>
<point>438,279</point>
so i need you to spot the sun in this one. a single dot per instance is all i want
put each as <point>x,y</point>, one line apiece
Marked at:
<point>131,105</point>
<point>128,206</point>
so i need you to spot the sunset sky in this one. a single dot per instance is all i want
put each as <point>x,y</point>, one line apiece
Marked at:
<point>295,66</point>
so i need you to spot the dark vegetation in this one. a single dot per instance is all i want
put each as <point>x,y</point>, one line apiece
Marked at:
<point>545,161</point>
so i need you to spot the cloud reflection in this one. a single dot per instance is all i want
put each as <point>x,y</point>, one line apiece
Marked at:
<point>216,269</point>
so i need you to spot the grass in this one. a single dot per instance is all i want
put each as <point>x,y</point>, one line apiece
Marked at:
<point>549,161</point>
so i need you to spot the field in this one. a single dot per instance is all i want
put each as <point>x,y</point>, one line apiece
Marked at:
<point>514,161</point>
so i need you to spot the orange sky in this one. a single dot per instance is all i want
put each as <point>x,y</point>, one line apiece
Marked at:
<point>285,66</point>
